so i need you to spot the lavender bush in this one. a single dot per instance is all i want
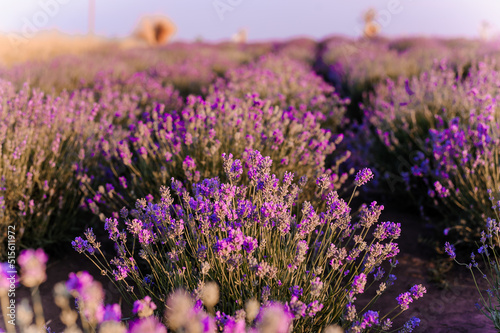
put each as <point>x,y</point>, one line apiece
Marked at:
<point>360,65</point>
<point>139,87</point>
<point>255,242</point>
<point>47,145</point>
<point>42,142</point>
<point>188,145</point>
<point>286,83</point>
<point>444,133</point>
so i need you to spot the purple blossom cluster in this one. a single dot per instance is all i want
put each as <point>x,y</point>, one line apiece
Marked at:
<point>416,292</point>
<point>144,307</point>
<point>363,177</point>
<point>254,234</point>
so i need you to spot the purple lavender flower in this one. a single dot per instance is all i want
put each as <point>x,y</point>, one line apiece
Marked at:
<point>316,287</point>
<point>410,325</point>
<point>450,250</point>
<point>89,234</point>
<point>323,182</point>
<point>441,190</point>
<point>80,245</point>
<point>337,208</point>
<point>79,281</point>
<point>418,291</point>
<point>111,312</point>
<point>223,249</point>
<point>232,168</point>
<point>32,264</point>
<point>363,176</point>
<point>358,284</point>
<point>121,272</point>
<point>89,293</point>
<point>146,237</point>
<point>123,182</point>
<point>300,255</point>
<point>144,307</point>
<point>407,88</point>
<point>313,308</point>
<point>296,291</point>
<point>109,187</point>
<point>379,274</point>
<point>386,324</point>
<point>387,230</point>
<point>297,307</point>
<point>391,279</point>
<point>250,244</point>
<point>350,311</point>
<point>370,318</point>
<point>369,215</point>
<point>111,226</point>
<point>188,164</point>
<point>404,300</point>
<point>275,318</point>
<point>233,326</point>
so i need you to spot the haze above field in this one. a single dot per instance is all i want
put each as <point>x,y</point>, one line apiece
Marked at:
<point>219,19</point>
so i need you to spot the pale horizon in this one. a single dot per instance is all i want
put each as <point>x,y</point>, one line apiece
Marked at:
<point>217,20</point>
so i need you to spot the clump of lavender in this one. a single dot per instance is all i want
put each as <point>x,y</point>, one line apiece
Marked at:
<point>139,88</point>
<point>285,83</point>
<point>256,241</point>
<point>486,270</point>
<point>47,145</point>
<point>41,154</point>
<point>357,66</point>
<point>188,145</point>
<point>444,137</point>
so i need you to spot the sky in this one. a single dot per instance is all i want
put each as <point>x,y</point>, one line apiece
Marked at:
<point>216,20</point>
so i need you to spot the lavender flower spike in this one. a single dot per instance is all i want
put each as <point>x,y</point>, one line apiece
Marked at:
<point>450,250</point>
<point>363,176</point>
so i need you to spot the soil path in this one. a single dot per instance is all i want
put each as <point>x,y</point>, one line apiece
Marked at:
<point>441,310</point>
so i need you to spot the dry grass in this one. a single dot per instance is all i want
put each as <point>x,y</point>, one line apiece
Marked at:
<point>50,44</point>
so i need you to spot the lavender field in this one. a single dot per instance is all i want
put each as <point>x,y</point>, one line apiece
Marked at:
<point>332,185</point>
